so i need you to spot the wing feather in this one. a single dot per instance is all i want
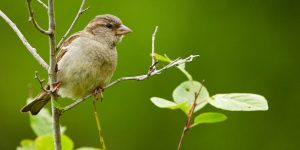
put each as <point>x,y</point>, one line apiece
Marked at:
<point>65,46</point>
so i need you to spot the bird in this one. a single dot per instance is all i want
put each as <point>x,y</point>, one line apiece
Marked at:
<point>86,61</point>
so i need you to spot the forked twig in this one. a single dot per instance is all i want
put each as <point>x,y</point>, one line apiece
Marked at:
<point>33,21</point>
<point>40,81</point>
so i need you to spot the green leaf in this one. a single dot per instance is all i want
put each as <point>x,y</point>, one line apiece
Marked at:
<point>209,117</point>
<point>239,102</point>
<point>163,103</point>
<point>162,58</point>
<point>181,67</point>
<point>26,144</point>
<point>45,142</point>
<point>42,123</point>
<point>185,93</point>
<point>88,148</point>
<point>66,142</point>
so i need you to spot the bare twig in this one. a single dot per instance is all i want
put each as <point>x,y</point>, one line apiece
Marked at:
<point>189,116</point>
<point>43,4</point>
<point>41,81</point>
<point>153,62</point>
<point>153,72</point>
<point>176,62</point>
<point>33,21</point>
<point>25,42</point>
<point>98,126</point>
<point>80,12</point>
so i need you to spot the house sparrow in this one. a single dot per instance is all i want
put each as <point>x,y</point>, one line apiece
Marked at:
<point>86,61</point>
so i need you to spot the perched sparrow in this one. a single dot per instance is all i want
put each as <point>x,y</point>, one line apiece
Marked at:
<point>86,61</point>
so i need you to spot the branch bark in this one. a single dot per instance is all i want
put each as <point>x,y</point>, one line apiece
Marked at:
<point>80,12</point>
<point>52,76</point>
<point>31,49</point>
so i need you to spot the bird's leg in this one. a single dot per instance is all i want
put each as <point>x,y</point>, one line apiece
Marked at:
<point>56,87</point>
<point>98,93</point>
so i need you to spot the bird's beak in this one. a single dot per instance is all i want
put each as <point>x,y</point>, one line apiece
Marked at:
<point>122,30</point>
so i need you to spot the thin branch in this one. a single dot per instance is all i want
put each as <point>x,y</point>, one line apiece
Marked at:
<point>153,62</point>
<point>52,76</point>
<point>176,62</point>
<point>189,117</point>
<point>40,81</point>
<point>32,50</point>
<point>80,12</point>
<point>98,126</point>
<point>43,4</point>
<point>33,21</point>
<point>56,126</point>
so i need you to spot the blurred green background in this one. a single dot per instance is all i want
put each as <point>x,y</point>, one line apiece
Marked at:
<point>245,46</point>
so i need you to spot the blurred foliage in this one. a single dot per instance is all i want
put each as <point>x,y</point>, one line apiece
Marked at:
<point>41,125</point>
<point>245,46</point>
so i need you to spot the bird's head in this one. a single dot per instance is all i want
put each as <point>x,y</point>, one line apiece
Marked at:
<point>107,28</point>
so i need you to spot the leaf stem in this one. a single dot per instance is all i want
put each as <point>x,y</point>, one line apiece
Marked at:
<point>189,117</point>
<point>98,126</point>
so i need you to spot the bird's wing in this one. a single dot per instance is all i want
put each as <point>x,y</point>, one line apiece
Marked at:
<point>65,46</point>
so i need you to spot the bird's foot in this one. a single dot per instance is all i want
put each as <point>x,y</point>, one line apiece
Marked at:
<point>98,93</point>
<point>56,87</point>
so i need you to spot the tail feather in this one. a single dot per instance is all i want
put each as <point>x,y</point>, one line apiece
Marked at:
<point>37,104</point>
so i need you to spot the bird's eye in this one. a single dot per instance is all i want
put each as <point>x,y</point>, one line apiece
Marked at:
<point>109,26</point>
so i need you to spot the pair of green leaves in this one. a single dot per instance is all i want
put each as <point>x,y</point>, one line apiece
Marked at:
<point>41,124</point>
<point>184,96</point>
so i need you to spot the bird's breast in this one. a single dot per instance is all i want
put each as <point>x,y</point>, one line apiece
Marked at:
<point>86,65</point>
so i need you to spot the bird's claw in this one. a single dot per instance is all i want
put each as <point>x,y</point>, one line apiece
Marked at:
<point>98,93</point>
<point>56,87</point>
